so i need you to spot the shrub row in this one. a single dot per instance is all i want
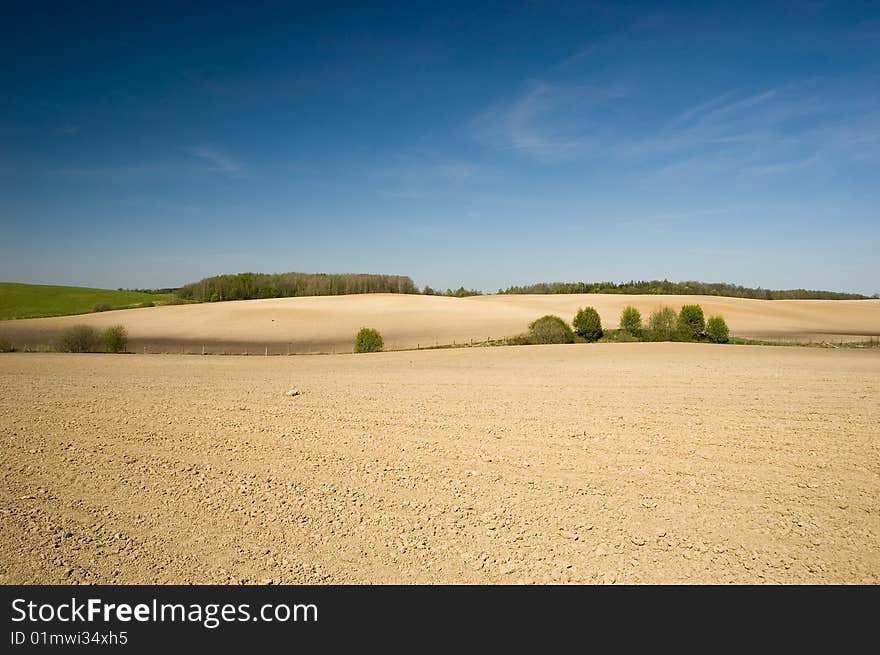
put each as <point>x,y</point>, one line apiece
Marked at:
<point>664,324</point>
<point>88,339</point>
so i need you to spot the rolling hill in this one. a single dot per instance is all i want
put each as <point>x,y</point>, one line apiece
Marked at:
<point>329,323</point>
<point>39,300</point>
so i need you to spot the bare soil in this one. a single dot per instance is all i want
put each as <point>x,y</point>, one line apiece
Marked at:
<point>626,463</point>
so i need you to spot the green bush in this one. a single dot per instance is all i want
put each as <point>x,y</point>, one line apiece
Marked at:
<point>550,329</point>
<point>618,336</point>
<point>631,321</point>
<point>368,340</point>
<point>716,330</point>
<point>115,339</point>
<point>6,345</point>
<point>691,324</point>
<point>79,339</point>
<point>661,324</point>
<point>101,307</point>
<point>587,324</point>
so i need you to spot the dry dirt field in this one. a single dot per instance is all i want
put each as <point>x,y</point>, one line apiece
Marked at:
<point>329,323</point>
<point>626,463</point>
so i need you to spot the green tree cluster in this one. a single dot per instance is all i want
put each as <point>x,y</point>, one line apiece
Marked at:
<point>587,324</point>
<point>82,338</point>
<point>461,292</point>
<point>550,329</point>
<point>666,287</point>
<point>249,286</point>
<point>662,324</point>
<point>631,321</point>
<point>691,324</point>
<point>115,339</point>
<point>716,330</point>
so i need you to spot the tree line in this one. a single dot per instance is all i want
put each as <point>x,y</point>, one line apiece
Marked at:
<point>461,292</point>
<point>657,287</point>
<point>247,286</point>
<point>250,286</point>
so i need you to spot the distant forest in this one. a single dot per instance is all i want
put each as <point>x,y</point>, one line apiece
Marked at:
<point>249,286</point>
<point>461,292</point>
<point>681,288</point>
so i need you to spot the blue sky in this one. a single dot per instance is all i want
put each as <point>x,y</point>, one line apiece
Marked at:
<point>474,144</point>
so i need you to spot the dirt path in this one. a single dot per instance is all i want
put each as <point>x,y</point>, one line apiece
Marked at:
<point>585,463</point>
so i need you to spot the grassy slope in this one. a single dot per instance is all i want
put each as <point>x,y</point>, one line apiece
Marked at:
<point>37,300</point>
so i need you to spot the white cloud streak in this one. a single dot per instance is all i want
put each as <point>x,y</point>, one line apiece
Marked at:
<point>549,123</point>
<point>217,160</point>
<point>777,130</point>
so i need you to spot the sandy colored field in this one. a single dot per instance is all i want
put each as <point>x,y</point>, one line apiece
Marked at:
<point>584,463</point>
<point>325,324</point>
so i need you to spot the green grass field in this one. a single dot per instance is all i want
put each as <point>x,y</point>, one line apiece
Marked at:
<point>38,300</point>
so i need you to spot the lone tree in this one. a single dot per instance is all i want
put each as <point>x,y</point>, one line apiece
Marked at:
<point>661,324</point>
<point>550,329</point>
<point>716,330</point>
<point>631,321</point>
<point>588,324</point>
<point>368,340</point>
<point>115,339</point>
<point>691,323</point>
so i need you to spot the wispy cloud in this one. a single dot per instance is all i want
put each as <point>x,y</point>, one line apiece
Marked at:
<point>776,130</point>
<point>666,218</point>
<point>653,223</point>
<point>547,122</point>
<point>120,172</point>
<point>785,166</point>
<point>557,123</point>
<point>199,161</point>
<point>208,81</point>
<point>721,109</point>
<point>217,161</point>
<point>419,175</point>
<point>733,123</point>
